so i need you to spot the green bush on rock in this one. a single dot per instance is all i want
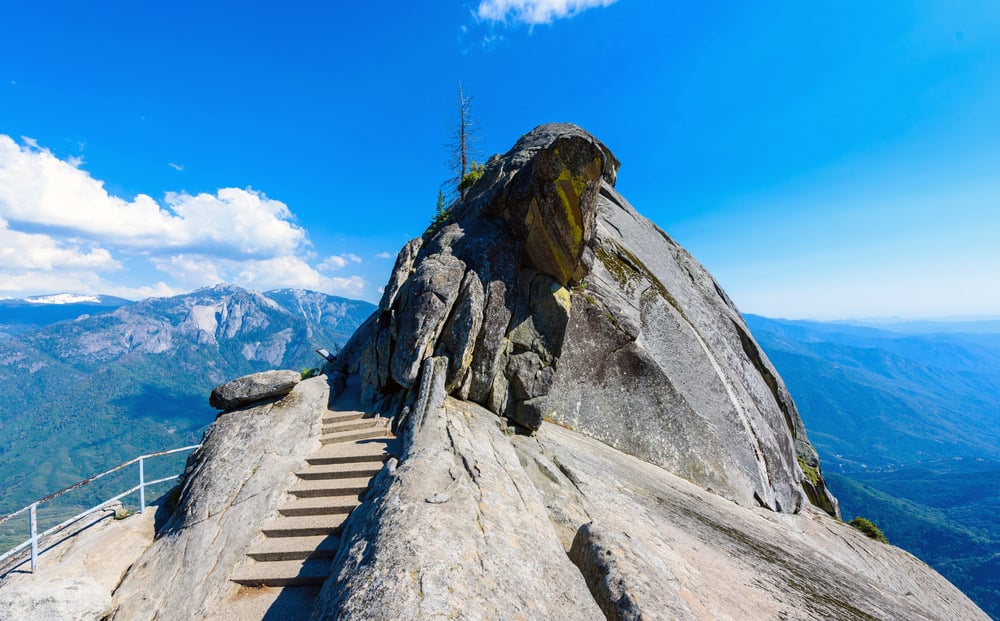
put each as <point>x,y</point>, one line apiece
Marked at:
<point>869,528</point>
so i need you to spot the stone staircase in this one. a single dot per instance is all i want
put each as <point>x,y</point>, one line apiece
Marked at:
<point>297,547</point>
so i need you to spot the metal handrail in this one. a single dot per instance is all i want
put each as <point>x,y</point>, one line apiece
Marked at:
<point>32,508</point>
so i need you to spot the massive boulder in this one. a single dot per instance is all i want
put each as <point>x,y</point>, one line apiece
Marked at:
<point>252,388</point>
<point>553,299</point>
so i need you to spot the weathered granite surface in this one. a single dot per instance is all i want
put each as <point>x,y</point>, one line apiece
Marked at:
<point>456,531</point>
<point>232,485</point>
<point>478,522</point>
<point>552,298</point>
<point>77,570</point>
<point>654,546</point>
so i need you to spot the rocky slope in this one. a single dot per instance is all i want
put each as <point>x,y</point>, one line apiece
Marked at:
<point>554,299</point>
<point>515,526</point>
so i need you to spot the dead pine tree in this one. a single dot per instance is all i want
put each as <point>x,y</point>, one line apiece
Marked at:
<point>462,145</point>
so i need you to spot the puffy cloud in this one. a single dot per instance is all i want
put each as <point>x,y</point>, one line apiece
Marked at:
<point>535,11</point>
<point>39,189</point>
<point>61,231</point>
<point>36,251</point>
<point>339,262</point>
<point>383,255</point>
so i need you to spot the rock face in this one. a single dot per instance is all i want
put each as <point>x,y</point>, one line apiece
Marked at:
<point>232,484</point>
<point>457,531</point>
<point>479,522</point>
<point>254,387</point>
<point>552,298</point>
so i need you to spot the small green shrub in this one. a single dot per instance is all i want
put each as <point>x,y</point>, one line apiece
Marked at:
<point>307,372</point>
<point>475,172</point>
<point>442,213</point>
<point>869,528</point>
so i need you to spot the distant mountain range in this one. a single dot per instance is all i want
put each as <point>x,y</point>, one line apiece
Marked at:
<point>907,424</point>
<point>92,382</point>
<point>28,314</point>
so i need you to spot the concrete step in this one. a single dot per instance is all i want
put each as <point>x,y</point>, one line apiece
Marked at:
<point>373,450</point>
<point>330,417</point>
<point>340,471</point>
<point>331,487</point>
<point>320,505</point>
<point>294,548</point>
<point>351,436</point>
<point>351,425</point>
<point>305,525</point>
<point>284,573</point>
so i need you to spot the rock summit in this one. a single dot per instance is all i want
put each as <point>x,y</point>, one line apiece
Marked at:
<point>552,299</point>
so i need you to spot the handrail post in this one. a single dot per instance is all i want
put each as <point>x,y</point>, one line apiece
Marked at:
<point>34,536</point>
<point>142,488</point>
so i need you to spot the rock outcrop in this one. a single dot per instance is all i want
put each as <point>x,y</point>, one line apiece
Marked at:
<point>480,522</point>
<point>552,298</point>
<point>252,388</point>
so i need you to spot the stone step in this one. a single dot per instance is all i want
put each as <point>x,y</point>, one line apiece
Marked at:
<point>330,417</point>
<point>305,525</point>
<point>351,425</point>
<point>320,505</point>
<point>372,451</point>
<point>351,436</point>
<point>331,487</point>
<point>340,471</point>
<point>284,573</point>
<point>294,548</point>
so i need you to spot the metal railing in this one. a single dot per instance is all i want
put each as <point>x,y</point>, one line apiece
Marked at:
<point>32,509</point>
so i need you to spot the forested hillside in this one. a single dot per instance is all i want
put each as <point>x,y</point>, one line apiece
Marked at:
<point>908,426</point>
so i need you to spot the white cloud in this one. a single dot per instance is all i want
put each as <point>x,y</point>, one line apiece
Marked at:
<point>36,251</point>
<point>383,255</point>
<point>194,271</point>
<point>191,271</point>
<point>339,262</point>
<point>23,283</point>
<point>39,189</point>
<point>177,167</point>
<point>159,290</point>
<point>61,231</point>
<point>534,11</point>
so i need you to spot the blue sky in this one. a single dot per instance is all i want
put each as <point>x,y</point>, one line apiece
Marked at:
<point>823,160</point>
